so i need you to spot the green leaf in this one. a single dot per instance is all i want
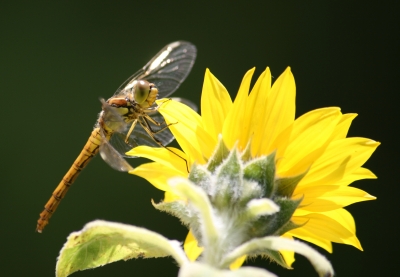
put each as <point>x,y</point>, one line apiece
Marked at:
<point>101,242</point>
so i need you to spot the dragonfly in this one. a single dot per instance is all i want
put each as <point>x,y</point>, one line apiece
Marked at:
<point>130,118</point>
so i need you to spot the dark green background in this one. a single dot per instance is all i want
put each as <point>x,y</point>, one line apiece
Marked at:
<point>56,59</point>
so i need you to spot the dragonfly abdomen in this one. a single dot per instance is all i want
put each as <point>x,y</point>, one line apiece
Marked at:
<point>90,149</point>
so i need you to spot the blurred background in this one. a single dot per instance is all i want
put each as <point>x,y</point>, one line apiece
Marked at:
<point>57,59</point>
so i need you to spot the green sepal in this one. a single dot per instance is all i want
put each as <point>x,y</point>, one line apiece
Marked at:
<point>246,154</point>
<point>262,171</point>
<point>285,187</point>
<point>272,225</point>
<point>180,210</point>
<point>287,227</point>
<point>274,256</point>
<point>219,155</point>
<point>229,182</point>
<point>176,208</point>
<point>250,190</point>
<point>200,176</point>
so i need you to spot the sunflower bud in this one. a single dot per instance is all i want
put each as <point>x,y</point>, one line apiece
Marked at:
<point>245,196</point>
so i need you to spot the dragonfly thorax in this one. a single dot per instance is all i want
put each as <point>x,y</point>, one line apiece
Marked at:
<point>124,108</point>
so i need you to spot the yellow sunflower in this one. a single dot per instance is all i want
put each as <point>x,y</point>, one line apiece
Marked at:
<point>313,161</point>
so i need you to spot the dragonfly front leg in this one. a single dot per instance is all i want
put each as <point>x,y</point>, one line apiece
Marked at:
<point>130,131</point>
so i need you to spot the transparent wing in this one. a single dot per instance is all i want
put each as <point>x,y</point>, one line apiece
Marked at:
<point>111,156</point>
<point>140,137</point>
<point>167,70</point>
<point>108,153</point>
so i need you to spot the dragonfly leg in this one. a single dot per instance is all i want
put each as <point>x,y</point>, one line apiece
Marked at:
<point>153,121</point>
<point>156,108</point>
<point>130,130</point>
<point>148,118</point>
<point>146,126</point>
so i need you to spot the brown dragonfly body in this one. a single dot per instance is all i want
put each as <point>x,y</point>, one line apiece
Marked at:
<point>90,149</point>
<point>130,118</point>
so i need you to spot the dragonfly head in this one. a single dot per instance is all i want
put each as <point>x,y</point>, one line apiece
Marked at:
<point>141,91</point>
<point>144,93</point>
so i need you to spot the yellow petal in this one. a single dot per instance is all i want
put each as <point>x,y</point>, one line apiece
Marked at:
<point>309,139</point>
<point>344,217</point>
<point>171,197</point>
<point>188,130</point>
<point>346,220</point>
<point>358,174</point>
<point>363,173</point>
<point>331,175</point>
<point>330,197</point>
<point>256,111</point>
<point>280,144</point>
<point>333,226</point>
<point>169,157</point>
<point>191,248</point>
<point>157,174</point>
<point>215,104</point>
<point>280,111</point>
<point>343,126</point>
<point>238,263</point>
<point>236,126</point>
<point>306,235</point>
<point>344,154</point>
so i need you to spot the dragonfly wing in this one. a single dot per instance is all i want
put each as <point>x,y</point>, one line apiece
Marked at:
<point>111,156</point>
<point>139,136</point>
<point>171,67</point>
<point>167,70</point>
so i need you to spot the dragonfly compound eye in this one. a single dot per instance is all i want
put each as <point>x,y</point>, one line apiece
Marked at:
<point>142,90</point>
